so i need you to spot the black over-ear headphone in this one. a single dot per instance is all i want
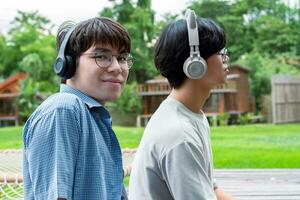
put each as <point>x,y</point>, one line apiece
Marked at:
<point>64,65</point>
<point>194,66</point>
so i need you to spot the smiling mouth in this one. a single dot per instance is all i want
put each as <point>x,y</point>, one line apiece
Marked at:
<point>113,81</point>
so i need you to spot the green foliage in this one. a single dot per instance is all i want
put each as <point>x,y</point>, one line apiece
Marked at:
<point>262,35</point>
<point>31,64</point>
<point>211,9</point>
<point>223,119</point>
<point>27,20</point>
<point>262,68</point>
<point>36,86</point>
<point>3,46</point>
<point>30,48</point>
<point>268,26</point>
<point>139,20</point>
<point>129,102</point>
<point>27,101</point>
<point>30,34</point>
<point>244,119</point>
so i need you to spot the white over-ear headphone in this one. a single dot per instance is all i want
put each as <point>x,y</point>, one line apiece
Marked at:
<point>194,66</point>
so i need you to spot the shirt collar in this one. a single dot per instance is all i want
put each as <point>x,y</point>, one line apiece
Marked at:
<point>89,101</point>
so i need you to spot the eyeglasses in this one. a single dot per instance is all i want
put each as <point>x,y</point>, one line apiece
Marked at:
<point>103,60</point>
<point>224,55</point>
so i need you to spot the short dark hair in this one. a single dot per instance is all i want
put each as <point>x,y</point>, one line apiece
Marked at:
<point>172,48</point>
<point>98,31</point>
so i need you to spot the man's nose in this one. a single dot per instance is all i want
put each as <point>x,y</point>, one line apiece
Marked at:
<point>114,66</point>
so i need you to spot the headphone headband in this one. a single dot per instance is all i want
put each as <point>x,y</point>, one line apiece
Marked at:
<point>192,28</point>
<point>64,43</point>
<point>194,66</point>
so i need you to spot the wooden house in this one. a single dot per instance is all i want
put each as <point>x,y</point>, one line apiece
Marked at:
<point>231,97</point>
<point>9,90</point>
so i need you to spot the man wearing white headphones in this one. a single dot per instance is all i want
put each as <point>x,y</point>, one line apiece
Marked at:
<point>174,159</point>
<point>70,149</point>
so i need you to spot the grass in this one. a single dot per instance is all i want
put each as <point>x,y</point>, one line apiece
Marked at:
<point>11,138</point>
<point>129,137</point>
<point>252,146</point>
<point>11,191</point>
<point>258,146</point>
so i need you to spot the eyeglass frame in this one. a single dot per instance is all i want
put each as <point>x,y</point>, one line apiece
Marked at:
<point>223,53</point>
<point>94,55</point>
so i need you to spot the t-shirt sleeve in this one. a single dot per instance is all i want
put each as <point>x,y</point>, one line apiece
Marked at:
<point>184,171</point>
<point>51,152</point>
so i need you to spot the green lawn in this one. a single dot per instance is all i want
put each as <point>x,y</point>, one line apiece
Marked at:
<point>252,146</point>
<point>259,146</point>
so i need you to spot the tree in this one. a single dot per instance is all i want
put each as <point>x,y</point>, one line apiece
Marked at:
<point>262,69</point>
<point>262,35</point>
<point>27,100</point>
<point>30,48</point>
<point>139,20</point>
<point>3,48</point>
<point>212,9</point>
<point>30,33</point>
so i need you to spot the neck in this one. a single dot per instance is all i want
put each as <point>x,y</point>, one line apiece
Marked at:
<point>191,95</point>
<point>73,84</point>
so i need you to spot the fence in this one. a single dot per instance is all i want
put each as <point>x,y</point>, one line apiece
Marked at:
<point>285,99</point>
<point>11,177</point>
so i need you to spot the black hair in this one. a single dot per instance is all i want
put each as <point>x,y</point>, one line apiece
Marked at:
<point>172,48</point>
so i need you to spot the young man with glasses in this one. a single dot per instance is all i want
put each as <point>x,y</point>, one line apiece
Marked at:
<point>174,158</point>
<point>70,149</point>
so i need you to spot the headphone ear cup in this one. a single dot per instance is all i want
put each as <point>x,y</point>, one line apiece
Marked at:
<point>70,67</point>
<point>64,65</point>
<point>194,67</point>
<point>60,66</point>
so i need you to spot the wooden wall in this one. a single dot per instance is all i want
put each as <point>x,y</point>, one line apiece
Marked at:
<point>242,96</point>
<point>231,97</point>
<point>285,99</point>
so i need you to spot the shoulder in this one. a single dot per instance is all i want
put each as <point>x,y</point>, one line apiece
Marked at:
<point>185,153</point>
<point>169,125</point>
<point>61,101</point>
<point>56,106</point>
<point>184,149</point>
<point>57,114</point>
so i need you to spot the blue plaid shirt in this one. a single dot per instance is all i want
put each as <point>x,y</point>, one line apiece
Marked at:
<point>71,151</point>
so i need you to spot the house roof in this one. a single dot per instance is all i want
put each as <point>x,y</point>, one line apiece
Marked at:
<point>11,80</point>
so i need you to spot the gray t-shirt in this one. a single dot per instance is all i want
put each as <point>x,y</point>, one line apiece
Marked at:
<point>174,159</point>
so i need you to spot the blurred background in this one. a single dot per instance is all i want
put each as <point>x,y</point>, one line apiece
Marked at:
<point>263,41</point>
<point>255,115</point>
